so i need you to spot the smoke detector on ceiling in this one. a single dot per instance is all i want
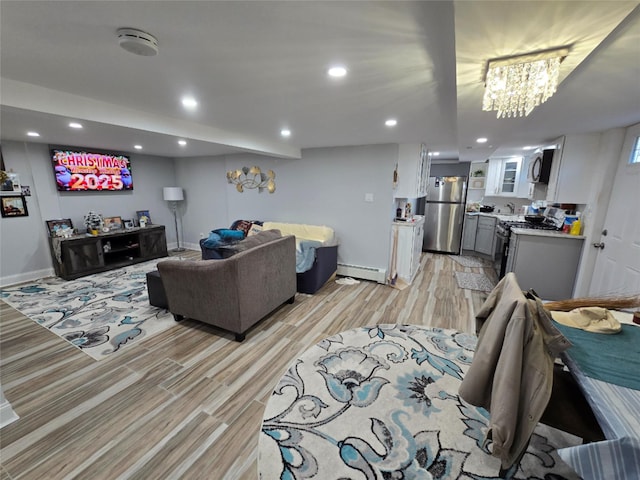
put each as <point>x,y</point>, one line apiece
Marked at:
<point>138,42</point>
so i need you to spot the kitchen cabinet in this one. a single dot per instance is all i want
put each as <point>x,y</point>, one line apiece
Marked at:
<point>523,187</point>
<point>478,176</point>
<point>469,232</point>
<point>81,255</point>
<point>503,176</point>
<point>572,168</point>
<point>407,247</point>
<point>413,170</point>
<point>547,262</point>
<point>485,235</point>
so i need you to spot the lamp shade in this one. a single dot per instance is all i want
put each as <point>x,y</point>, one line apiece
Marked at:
<point>172,194</point>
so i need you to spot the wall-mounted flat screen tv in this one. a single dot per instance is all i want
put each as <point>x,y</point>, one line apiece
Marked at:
<point>80,171</point>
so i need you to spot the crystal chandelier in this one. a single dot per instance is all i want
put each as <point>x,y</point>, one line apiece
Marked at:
<point>514,86</point>
<point>252,178</point>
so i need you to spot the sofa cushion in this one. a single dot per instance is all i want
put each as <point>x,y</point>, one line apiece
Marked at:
<point>319,233</point>
<point>252,241</point>
<point>213,253</point>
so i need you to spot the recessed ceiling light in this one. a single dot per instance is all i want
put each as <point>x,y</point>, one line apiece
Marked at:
<point>285,132</point>
<point>482,140</point>
<point>435,154</point>
<point>392,122</point>
<point>528,147</point>
<point>337,71</point>
<point>138,147</point>
<point>75,125</point>
<point>189,103</point>
<point>182,142</point>
<point>33,134</point>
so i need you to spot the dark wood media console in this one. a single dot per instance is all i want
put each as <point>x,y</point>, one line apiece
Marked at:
<point>83,255</point>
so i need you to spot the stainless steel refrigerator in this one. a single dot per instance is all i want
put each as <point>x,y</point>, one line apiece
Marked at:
<point>443,209</point>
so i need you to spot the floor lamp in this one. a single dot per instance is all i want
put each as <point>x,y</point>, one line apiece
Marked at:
<point>174,195</point>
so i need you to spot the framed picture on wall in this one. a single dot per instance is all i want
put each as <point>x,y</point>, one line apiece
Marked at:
<point>11,183</point>
<point>13,206</point>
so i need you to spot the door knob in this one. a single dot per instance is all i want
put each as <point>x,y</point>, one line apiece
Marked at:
<point>599,245</point>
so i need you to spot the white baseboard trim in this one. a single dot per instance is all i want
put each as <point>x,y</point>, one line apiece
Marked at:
<point>191,246</point>
<point>26,277</point>
<point>366,273</point>
<point>7,415</point>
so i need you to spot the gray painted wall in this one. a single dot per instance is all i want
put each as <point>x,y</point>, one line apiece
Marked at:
<point>24,250</point>
<point>203,180</point>
<point>325,187</point>
<point>23,240</point>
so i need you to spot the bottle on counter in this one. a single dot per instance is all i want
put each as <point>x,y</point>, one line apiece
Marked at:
<point>407,210</point>
<point>576,226</point>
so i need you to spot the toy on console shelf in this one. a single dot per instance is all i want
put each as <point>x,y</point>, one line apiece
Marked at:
<point>93,222</point>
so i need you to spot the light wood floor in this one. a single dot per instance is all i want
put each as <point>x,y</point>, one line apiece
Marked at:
<point>188,402</point>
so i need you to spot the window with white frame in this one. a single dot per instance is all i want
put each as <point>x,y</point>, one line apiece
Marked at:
<point>635,152</point>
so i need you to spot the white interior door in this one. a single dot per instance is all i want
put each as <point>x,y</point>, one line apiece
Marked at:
<point>617,268</point>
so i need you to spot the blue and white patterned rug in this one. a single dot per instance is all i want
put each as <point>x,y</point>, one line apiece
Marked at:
<point>100,314</point>
<point>382,403</point>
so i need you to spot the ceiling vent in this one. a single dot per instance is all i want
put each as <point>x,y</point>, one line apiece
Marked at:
<point>138,42</point>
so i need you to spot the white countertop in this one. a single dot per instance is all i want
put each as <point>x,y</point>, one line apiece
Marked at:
<point>503,217</point>
<point>415,220</point>
<point>545,233</point>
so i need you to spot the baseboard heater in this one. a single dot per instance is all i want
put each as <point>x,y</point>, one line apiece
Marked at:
<point>366,273</point>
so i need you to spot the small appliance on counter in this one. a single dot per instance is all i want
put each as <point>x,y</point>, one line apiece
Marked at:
<point>554,216</point>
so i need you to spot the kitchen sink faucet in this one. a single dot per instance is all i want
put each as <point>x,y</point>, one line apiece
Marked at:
<point>512,207</point>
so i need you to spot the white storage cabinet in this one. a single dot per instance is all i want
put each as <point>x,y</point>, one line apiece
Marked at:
<point>409,247</point>
<point>413,170</point>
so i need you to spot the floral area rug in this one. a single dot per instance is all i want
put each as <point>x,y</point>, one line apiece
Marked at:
<point>100,314</point>
<point>470,261</point>
<point>474,281</point>
<point>382,403</point>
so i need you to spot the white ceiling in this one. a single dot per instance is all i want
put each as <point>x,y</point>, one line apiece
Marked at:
<point>256,67</point>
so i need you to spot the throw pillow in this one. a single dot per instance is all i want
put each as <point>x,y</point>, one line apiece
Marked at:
<point>227,234</point>
<point>254,230</point>
<point>244,226</point>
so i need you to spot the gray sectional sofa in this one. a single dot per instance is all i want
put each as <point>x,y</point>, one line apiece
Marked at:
<point>236,292</point>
